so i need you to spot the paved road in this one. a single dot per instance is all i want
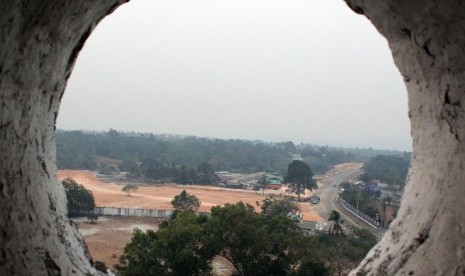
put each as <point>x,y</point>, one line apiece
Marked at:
<point>329,191</point>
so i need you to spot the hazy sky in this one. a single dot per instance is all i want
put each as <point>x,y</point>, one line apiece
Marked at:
<point>302,70</point>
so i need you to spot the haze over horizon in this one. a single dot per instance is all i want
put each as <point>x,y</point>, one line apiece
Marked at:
<point>304,71</point>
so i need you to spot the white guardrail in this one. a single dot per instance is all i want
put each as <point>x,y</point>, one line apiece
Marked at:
<point>368,220</point>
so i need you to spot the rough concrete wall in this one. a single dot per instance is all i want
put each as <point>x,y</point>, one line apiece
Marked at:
<point>39,42</point>
<point>132,212</point>
<point>427,40</point>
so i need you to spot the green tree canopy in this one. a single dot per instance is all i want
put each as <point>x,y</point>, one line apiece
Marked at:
<point>80,200</point>
<point>137,258</point>
<point>299,177</point>
<point>360,198</point>
<point>178,248</point>
<point>387,168</point>
<point>129,188</point>
<point>278,207</point>
<point>253,245</point>
<point>185,201</point>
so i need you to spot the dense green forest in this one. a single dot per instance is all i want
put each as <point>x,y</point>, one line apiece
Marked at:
<point>387,168</point>
<point>151,154</point>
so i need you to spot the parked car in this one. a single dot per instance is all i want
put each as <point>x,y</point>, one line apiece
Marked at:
<point>314,199</point>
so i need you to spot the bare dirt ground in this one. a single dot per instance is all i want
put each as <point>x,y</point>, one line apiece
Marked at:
<point>106,238</point>
<point>159,197</point>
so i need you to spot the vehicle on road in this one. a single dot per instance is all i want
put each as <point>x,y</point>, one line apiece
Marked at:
<point>314,199</point>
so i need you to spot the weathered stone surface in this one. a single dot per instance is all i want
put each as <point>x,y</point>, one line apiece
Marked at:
<point>427,41</point>
<point>40,40</point>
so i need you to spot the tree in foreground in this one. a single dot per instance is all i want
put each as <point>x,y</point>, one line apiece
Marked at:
<point>336,228</point>
<point>342,251</point>
<point>253,245</point>
<point>279,207</point>
<point>80,200</point>
<point>178,248</point>
<point>299,177</point>
<point>336,244</point>
<point>101,266</point>
<point>311,252</point>
<point>129,188</point>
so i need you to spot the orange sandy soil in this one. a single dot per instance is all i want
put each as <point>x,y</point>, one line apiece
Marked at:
<point>106,238</point>
<point>159,197</point>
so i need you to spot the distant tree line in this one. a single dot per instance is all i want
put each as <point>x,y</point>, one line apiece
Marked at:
<point>80,150</point>
<point>387,168</point>
<point>159,156</point>
<point>151,170</point>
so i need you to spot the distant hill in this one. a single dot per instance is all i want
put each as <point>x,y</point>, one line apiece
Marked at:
<point>90,149</point>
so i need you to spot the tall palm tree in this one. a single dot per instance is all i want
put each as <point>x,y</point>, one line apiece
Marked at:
<point>336,228</point>
<point>336,231</point>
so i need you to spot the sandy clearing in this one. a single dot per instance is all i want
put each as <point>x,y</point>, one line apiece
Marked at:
<point>159,197</point>
<point>106,239</point>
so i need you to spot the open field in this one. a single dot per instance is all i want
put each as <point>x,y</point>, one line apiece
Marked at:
<point>159,197</point>
<point>107,238</point>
